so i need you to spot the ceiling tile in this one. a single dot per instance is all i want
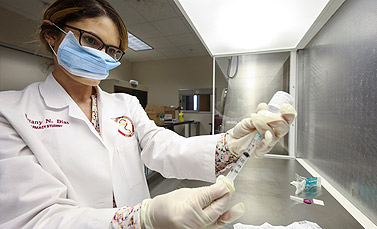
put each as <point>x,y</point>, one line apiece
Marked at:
<point>130,53</point>
<point>172,26</point>
<point>159,42</point>
<point>129,15</point>
<point>138,59</point>
<point>153,9</point>
<point>175,7</point>
<point>189,27</point>
<point>183,39</point>
<point>145,30</point>
<point>152,54</point>
<point>133,56</point>
<point>172,52</point>
<point>193,50</point>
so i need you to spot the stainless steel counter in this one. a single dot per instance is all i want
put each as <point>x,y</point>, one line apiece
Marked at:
<point>264,187</point>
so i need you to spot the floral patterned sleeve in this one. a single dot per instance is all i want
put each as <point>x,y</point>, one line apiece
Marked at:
<point>224,159</point>
<point>127,217</point>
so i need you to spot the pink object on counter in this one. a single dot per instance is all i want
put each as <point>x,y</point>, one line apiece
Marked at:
<point>307,201</point>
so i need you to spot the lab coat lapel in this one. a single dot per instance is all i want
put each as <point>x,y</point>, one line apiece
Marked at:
<point>53,94</point>
<point>107,113</point>
<point>56,97</point>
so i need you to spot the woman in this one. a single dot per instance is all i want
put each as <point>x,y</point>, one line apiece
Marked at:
<point>73,156</point>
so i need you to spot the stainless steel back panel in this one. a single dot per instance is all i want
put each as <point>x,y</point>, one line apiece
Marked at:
<point>337,109</point>
<point>258,77</point>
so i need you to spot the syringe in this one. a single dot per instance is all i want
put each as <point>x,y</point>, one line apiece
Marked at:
<point>242,160</point>
<point>277,100</point>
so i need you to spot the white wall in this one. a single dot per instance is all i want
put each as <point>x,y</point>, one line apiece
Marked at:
<point>123,72</point>
<point>19,31</point>
<point>165,77</point>
<point>18,69</point>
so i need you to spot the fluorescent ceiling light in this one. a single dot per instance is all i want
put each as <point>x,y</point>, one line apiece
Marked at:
<point>136,44</point>
<point>243,26</point>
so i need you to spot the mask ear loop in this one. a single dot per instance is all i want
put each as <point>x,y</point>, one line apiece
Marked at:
<point>59,28</point>
<point>61,31</point>
<point>52,49</point>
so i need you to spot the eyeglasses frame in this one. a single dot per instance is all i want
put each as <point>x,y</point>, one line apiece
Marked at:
<point>103,43</point>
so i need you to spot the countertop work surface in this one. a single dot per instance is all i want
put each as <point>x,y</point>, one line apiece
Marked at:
<point>263,185</point>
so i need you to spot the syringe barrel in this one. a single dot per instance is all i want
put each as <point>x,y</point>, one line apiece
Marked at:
<point>231,175</point>
<point>254,143</point>
<point>238,166</point>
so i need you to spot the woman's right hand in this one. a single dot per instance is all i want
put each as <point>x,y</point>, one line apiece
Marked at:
<point>271,126</point>
<point>204,207</point>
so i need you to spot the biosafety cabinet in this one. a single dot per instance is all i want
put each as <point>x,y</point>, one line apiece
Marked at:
<point>323,52</point>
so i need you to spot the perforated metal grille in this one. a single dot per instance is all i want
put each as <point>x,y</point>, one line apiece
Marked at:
<point>337,122</point>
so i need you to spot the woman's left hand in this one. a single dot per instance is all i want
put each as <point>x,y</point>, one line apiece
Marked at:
<point>271,126</point>
<point>205,207</point>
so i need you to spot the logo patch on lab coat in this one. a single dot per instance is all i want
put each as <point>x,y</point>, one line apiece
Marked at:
<point>126,127</point>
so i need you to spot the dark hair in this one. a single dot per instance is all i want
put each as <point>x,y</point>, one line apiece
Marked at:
<point>61,12</point>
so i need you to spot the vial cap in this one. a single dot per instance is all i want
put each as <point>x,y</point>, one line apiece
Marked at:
<point>307,201</point>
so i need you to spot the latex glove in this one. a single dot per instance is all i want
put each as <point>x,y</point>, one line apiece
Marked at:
<point>204,207</point>
<point>271,126</point>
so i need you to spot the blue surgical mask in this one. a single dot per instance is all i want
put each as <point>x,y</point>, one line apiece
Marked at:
<point>84,61</point>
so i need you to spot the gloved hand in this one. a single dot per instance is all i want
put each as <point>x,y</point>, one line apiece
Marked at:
<point>204,207</point>
<point>271,126</point>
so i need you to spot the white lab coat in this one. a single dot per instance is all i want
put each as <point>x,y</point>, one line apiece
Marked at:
<point>57,171</point>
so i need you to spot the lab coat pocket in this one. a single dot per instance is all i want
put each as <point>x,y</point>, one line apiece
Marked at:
<point>130,160</point>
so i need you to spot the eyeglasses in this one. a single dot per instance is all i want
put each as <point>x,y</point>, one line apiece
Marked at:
<point>91,40</point>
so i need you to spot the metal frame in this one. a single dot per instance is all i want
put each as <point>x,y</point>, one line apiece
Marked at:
<point>213,94</point>
<point>331,7</point>
<point>292,136</point>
